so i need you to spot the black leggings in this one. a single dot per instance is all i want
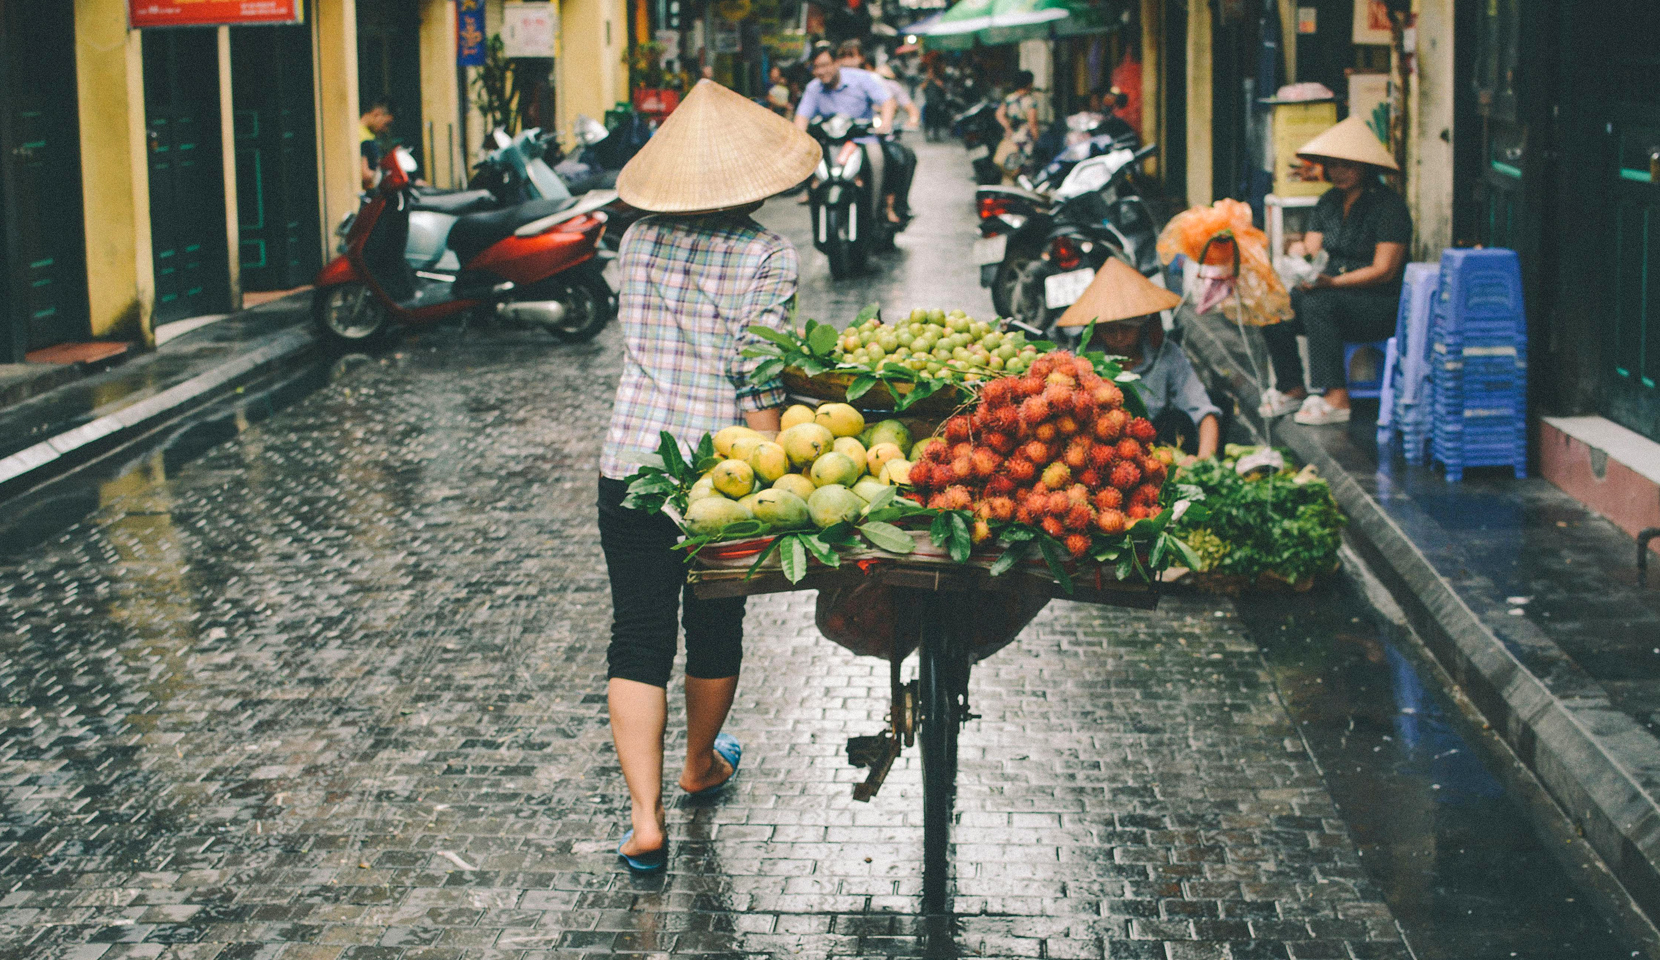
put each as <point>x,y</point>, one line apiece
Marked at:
<point>648,587</point>
<point>1329,318</point>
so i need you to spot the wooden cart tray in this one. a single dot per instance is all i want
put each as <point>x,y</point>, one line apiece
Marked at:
<point>722,570</point>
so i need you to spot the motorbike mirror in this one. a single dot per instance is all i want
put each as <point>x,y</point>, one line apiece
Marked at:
<point>589,131</point>
<point>406,160</point>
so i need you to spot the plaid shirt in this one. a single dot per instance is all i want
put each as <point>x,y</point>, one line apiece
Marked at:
<point>690,289</point>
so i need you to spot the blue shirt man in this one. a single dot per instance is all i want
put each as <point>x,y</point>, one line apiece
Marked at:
<point>838,90</point>
<point>859,94</point>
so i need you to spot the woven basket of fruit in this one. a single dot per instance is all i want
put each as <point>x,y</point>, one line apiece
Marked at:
<point>882,397</point>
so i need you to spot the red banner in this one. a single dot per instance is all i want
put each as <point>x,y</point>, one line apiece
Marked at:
<point>210,13</point>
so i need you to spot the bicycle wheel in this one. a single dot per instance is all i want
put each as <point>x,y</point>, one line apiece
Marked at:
<point>943,679</point>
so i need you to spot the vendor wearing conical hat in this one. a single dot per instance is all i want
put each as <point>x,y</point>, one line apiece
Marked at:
<point>1125,308</point>
<point>1364,228</point>
<point>694,277</point>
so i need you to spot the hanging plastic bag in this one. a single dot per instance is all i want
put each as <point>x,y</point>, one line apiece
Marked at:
<point>1232,255</point>
<point>1295,271</point>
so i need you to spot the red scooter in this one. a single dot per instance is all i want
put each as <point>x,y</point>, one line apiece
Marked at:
<point>532,263</point>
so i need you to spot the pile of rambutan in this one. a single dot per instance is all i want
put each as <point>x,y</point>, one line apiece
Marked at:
<point>1053,448</point>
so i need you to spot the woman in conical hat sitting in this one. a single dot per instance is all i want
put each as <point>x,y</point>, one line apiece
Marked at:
<point>1125,308</point>
<point>694,278</point>
<point>1364,227</point>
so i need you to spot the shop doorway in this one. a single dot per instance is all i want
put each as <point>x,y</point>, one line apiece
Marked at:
<point>43,298</point>
<point>389,68</point>
<point>276,156</point>
<point>187,178</point>
<point>1631,178</point>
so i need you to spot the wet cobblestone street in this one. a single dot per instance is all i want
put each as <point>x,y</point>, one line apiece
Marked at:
<point>335,689</point>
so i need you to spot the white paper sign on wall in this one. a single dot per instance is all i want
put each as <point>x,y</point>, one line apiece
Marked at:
<point>530,29</point>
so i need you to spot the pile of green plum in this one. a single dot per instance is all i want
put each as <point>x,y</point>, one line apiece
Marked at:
<point>933,342</point>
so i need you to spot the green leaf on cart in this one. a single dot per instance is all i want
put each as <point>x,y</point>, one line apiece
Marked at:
<point>1019,534</point>
<point>882,499</point>
<point>1010,557</point>
<point>894,371</point>
<point>1185,553</point>
<point>1057,565</point>
<point>760,350</point>
<point>860,386</point>
<point>837,534</point>
<point>669,450</point>
<point>870,312</point>
<point>825,553</point>
<point>776,336</point>
<point>886,536</point>
<point>940,529</point>
<point>812,367</point>
<point>740,529</point>
<point>707,464</point>
<point>769,551</point>
<point>962,545</point>
<point>793,557</point>
<point>822,340</point>
<point>768,371</point>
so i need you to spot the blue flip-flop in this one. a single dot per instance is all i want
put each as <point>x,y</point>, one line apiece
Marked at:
<point>652,862</point>
<point>730,750</point>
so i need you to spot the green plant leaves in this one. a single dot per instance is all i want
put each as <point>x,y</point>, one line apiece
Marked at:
<point>886,536</point>
<point>792,556</point>
<point>822,340</point>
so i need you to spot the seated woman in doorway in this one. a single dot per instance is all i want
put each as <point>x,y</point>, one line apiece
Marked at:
<point>1125,308</point>
<point>1364,227</point>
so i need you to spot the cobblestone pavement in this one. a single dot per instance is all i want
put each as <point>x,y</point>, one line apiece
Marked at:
<point>335,690</point>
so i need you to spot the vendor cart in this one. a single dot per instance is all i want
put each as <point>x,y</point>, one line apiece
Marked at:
<point>954,614</point>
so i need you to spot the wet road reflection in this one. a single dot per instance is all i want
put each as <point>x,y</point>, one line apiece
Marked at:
<point>1464,869</point>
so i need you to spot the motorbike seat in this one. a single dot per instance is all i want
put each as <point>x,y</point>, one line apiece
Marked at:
<point>457,203</point>
<point>473,233</point>
<point>1020,193</point>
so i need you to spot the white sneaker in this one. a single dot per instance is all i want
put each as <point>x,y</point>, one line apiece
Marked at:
<point>1276,404</point>
<point>1316,412</point>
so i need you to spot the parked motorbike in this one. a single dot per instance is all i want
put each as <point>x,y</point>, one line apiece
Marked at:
<point>981,133</point>
<point>1046,257</point>
<point>848,219</point>
<point>532,262</point>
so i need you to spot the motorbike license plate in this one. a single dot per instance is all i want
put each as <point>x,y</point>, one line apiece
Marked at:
<point>990,249</point>
<point>979,153</point>
<point>1064,289</point>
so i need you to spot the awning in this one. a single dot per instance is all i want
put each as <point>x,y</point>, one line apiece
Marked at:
<point>993,22</point>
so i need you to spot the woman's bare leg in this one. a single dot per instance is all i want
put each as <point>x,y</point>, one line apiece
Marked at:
<point>707,704</point>
<point>639,712</point>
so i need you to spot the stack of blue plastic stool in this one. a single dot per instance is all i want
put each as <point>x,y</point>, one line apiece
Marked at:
<point>1404,408</point>
<point>1478,363</point>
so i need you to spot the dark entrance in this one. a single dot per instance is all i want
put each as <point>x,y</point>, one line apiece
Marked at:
<point>1631,175</point>
<point>187,178</point>
<point>276,156</point>
<point>389,67</point>
<point>43,297</point>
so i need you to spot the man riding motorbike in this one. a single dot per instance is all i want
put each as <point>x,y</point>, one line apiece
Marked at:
<point>858,94</point>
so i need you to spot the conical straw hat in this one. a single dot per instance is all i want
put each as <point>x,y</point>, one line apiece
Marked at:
<point>1118,292</point>
<point>716,150</point>
<point>1350,140</point>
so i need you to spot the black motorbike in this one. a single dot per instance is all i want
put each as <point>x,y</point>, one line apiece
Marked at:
<point>981,133</point>
<point>1048,256</point>
<point>848,218</point>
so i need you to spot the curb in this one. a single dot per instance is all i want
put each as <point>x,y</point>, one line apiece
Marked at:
<point>1599,765</point>
<point>48,458</point>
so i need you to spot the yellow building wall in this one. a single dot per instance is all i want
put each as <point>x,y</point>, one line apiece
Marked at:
<point>590,72</point>
<point>334,82</point>
<point>1199,155</point>
<point>440,96</point>
<point>115,175</point>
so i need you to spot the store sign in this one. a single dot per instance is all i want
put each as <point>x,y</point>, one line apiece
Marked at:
<point>530,29</point>
<point>726,38</point>
<point>144,14</point>
<point>469,33</point>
